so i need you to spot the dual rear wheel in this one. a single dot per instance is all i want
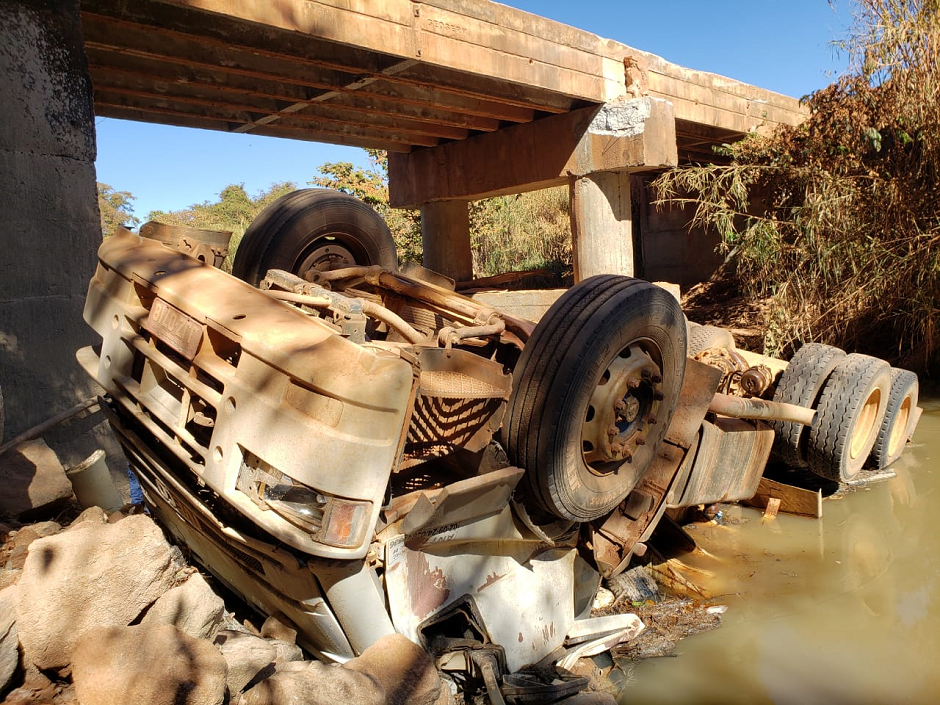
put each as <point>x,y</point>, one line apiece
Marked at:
<point>864,412</point>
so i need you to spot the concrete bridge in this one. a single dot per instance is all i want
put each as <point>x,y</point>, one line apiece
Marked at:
<point>469,97</point>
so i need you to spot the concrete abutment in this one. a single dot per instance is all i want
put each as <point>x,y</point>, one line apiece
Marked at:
<point>51,231</point>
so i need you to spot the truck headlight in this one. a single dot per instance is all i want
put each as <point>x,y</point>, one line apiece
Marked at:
<point>332,520</point>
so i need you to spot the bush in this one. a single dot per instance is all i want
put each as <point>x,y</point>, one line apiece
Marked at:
<point>836,221</point>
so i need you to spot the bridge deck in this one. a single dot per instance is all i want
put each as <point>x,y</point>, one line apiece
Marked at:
<point>393,75</point>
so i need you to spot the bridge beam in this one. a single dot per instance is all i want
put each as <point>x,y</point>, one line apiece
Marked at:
<point>594,150</point>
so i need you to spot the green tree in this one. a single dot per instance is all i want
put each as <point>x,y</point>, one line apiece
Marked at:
<point>115,208</point>
<point>507,233</point>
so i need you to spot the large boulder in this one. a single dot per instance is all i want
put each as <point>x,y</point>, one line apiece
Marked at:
<point>33,481</point>
<point>314,683</point>
<point>192,607</point>
<point>403,670</point>
<point>9,640</point>
<point>246,655</point>
<point>393,671</point>
<point>93,576</point>
<point>153,663</point>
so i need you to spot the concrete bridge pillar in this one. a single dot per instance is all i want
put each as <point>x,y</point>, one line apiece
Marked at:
<point>50,229</point>
<point>601,224</point>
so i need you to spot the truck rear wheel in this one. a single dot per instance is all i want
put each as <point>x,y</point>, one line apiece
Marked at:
<point>801,384</point>
<point>593,394</point>
<point>313,229</point>
<point>899,413</point>
<point>848,416</point>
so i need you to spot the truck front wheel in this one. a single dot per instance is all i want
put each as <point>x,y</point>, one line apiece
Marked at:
<point>593,394</point>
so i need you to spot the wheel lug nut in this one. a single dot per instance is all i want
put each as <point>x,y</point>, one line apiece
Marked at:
<point>645,374</point>
<point>616,447</point>
<point>633,383</point>
<point>651,420</point>
<point>620,406</point>
<point>656,379</point>
<point>658,396</point>
<point>613,431</point>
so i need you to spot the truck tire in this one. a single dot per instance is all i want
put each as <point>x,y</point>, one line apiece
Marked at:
<point>899,414</point>
<point>801,384</point>
<point>608,355</point>
<point>848,416</point>
<point>313,229</point>
<point>704,337</point>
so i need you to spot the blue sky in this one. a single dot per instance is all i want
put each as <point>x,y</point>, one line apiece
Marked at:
<point>782,45</point>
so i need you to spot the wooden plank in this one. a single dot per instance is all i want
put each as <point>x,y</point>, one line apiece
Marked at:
<point>793,500</point>
<point>165,108</point>
<point>542,153</point>
<point>163,117</point>
<point>206,53</point>
<point>770,511</point>
<point>359,24</point>
<point>496,34</point>
<point>526,22</point>
<point>421,133</point>
<point>383,26</point>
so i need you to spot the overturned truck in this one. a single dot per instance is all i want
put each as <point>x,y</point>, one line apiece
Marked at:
<point>365,451</point>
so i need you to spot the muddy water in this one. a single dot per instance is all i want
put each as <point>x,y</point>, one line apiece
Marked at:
<point>841,610</point>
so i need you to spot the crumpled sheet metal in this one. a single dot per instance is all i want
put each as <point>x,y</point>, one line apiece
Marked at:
<point>524,595</point>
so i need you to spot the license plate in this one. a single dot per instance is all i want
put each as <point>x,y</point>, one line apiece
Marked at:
<point>181,332</point>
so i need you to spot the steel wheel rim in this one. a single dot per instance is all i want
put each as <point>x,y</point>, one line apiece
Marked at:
<point>623,408</point>
<point>865,426</point>
<point>899,430</point>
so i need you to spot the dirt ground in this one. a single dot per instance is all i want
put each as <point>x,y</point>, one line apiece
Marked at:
<point>718,303</point>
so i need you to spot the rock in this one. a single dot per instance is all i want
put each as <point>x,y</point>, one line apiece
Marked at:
<point>33,480</point>
<point>9,577</point>
<point>404,671</point>
<point>92,516</point>
<point>154,663</point>
<point>246,656</point>
<point>192,607</point>
<point>37,689</point>
<point>9,639</point>
<point>314,683</point>
<point>274,628</point>
<point>98,576</point>
<point>286,653</point>
<point>25,536</point>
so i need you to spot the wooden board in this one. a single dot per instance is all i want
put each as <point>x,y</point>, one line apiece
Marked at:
<point>793,500</point>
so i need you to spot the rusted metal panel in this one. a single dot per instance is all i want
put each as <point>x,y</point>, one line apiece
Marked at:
<point>729,462</point>
<point>616,539</point>
<point>698,389</point>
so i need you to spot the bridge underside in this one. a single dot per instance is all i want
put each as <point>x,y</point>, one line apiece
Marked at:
<point>469,97</point>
